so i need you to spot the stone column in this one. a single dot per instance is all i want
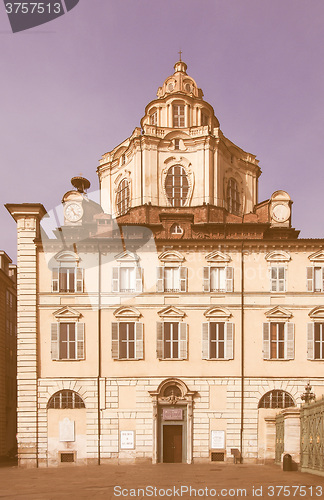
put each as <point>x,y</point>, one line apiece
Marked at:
<point>28,217</point>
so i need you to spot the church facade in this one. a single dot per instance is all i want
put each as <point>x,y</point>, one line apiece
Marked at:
<point>173,321</point>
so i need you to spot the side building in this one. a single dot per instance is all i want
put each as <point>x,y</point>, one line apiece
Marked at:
<point>173,321</point>
<point>8,346</point>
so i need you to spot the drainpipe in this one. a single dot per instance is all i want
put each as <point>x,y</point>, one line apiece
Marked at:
<point>99,351</point>
<point>242,350</point>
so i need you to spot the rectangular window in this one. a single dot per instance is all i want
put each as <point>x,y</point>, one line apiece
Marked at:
<point>127,279</point>
<point>204,119</point>
<point>278,278</point>
<point>217,279</point>
<point>217,340</point>
<point>171,279</point>
<point>153,118</point>
<point>67,279</point>
<point>277,340</point>
<point>319,341</point>
<point>318,279</point>
<point>67,341</point>
<point>126,341</point>
<point>178,115</point>
<point>171,340</point>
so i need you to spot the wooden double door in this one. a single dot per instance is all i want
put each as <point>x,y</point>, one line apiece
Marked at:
<point>172,443</point>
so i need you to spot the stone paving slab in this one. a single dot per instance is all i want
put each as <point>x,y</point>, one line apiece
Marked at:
<point>158,481</point>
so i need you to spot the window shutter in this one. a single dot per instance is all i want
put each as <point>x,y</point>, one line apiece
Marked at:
<point>310,340</point>
<point>79,280</point>
<point>159,340</point>
<point>160,279</point>
<point>80,340</point>
<point>282,279</point>
<point>139,279</point>
<point>289,341</point>
<point>273,279</point>
<point>139,341</point>
<point>229,340</point>
<point>206,285</point>
<point>115,279</point>
<point>266,340</point>
<point>114,341</point>
<point>183,279</point>
<point>310,279</point>
<point>55,279</point>
<point>55,340</point>
<point>229,279</point>
<point>183,340</point>
<point>205,341</point>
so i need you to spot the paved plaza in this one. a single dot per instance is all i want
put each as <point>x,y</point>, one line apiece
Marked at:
<point>158,481</point>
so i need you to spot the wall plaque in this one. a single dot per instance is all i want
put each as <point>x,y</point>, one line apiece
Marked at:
<point>66,430</point>
<point>172,414</point>
<point>217,440</point>
<point>127,440</point>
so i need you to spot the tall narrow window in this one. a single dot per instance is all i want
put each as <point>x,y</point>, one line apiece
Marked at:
<point>176,144</point>
<point>319,341</point>
<point>277,340</point>
<point>126,341</point>
<point>278,278</point>
<point>177,186</point>
<point>127,279</point>
<point>153,118</point>
<point>178,115</point>
<point>122,199</point>
<point>233,197</point>
<point>171,340</point>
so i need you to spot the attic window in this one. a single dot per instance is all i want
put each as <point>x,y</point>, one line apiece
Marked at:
<point>176,144</point>
<point>176,229</point>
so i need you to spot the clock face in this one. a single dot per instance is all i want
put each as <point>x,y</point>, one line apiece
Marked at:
<point>73,212</point>
<point>280,213</point>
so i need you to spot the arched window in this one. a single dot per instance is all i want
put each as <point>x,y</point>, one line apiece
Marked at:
<point>177,186</point>
<point>276,399</point>
<point>233,197</point>
<point>66,400</point>
<point>122,200</point>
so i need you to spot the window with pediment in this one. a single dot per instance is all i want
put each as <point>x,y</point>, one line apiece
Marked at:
<point>172,276</point>
<point>128,276</point>
<point>67,276</point>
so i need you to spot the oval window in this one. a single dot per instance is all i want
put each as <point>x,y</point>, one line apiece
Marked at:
<point>177,186</point>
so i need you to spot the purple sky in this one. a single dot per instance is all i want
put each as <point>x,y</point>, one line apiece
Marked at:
<point>76,87</point>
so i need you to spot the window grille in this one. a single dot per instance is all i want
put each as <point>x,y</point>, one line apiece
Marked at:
<point>66,400</point>
<point>217,456</point>
<point>233,197</point>
<point>276,399</point>
<point>122,200</point>
<point>177,186</point>
<point>67,457</point>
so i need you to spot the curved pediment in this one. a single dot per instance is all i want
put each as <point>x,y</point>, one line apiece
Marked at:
<point>66,256</point>
<point>317,312</point>
<point>317,256</point>
<point>217,257</point>
<point>127,312</point>
<point>67,312</point>
<point>278,312</point>
<point>171,256</point>
<point>171,312</point>
<point>278,256</point>
<point>217,313</point>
